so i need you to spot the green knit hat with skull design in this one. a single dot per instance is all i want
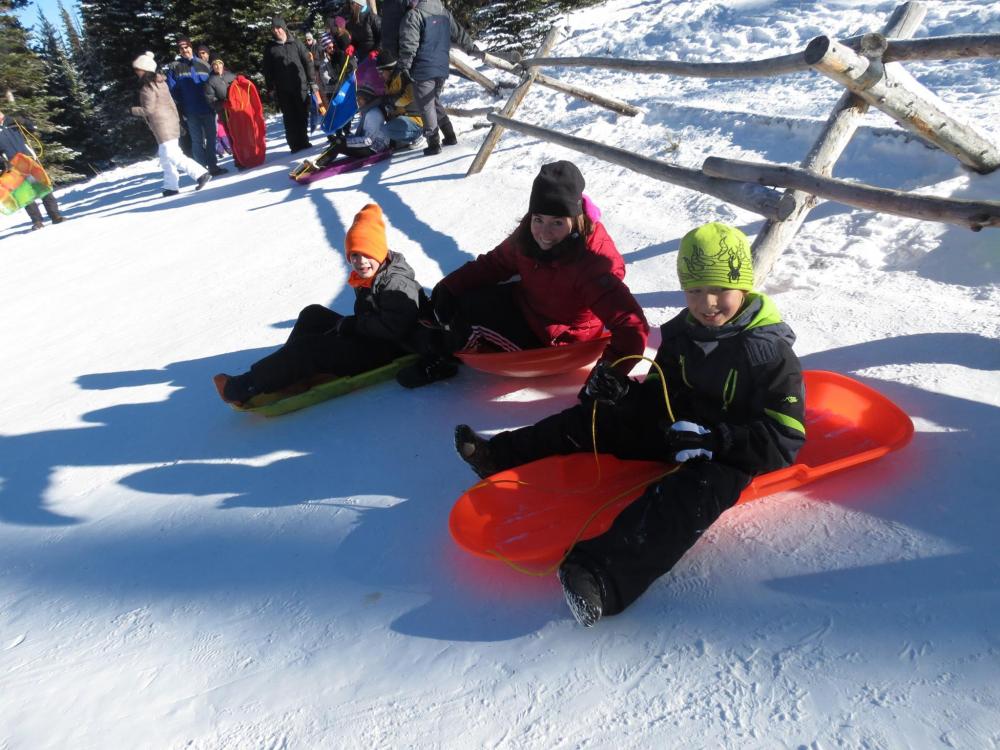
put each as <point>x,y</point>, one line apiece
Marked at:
<point>715,255</point>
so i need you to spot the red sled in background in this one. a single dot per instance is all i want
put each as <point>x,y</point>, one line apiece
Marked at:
<point>245,120</point>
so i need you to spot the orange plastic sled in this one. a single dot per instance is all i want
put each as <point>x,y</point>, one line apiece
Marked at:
<point>847,424</point>
<point>533,363</point>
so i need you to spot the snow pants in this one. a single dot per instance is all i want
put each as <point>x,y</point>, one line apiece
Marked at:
<point>653,533</point>
<point>427,96</point>
<point>173,162</point>
<point>314,347</point>
<point>294,106</point>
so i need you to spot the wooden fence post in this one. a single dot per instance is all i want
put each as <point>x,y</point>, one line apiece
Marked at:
<point>764,201</point>
<point>508,109</point>
<point>906,101</point>
<point>843,122</point>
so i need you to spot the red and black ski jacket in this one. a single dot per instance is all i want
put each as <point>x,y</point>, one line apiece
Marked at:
<point>572,296</point>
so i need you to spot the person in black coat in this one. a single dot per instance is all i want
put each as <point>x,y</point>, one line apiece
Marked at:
<point>12,142</point>
<point>737,410</point>
<point>290,79</point>
<point>383,327</point>
<point>365,29</point>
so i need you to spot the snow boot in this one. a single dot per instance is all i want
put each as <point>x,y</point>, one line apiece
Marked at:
<point>236,389</point>
<point>203,180</point>
<point>475,451</point>
<point>37,225</point>
<point>168,193</point>
<point>433,144</point>
<point>583,592</point>
<point>448,131</point>
<point>426,370</point>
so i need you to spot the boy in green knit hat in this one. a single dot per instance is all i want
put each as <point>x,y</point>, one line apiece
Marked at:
<point>738,407</point>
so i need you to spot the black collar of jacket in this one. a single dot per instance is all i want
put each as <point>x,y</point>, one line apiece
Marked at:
<point>565,252</point>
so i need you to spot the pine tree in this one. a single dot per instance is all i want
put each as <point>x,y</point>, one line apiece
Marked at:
<point>22,86</point>
<point>115,33</point>
<point>73,109</point>
<point>72,35</point>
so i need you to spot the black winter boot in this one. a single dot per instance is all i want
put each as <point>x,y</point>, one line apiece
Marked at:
<point>433,144</point>
<point>584,593</point>
<point>448,131</point>
<point>475,451</point>
<point>236,389</point>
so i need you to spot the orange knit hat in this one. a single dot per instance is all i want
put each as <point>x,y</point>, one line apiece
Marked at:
<point>367,234</point>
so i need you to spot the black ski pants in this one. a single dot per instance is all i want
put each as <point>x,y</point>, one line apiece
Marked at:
<point>653,533</point>
<point>294,106</point>
<point>314,347</point>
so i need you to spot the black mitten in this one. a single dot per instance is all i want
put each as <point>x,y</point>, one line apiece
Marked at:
<point>605,384</point>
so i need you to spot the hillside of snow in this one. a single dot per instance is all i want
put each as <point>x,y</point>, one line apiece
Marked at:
<point>174,574</point>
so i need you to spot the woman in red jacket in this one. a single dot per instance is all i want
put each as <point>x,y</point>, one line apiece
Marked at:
<point>555,280</point>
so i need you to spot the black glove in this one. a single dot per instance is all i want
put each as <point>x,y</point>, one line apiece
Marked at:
<point>347,325</point>
<point>445,304</point>
<point>687,440</point>
<point>605,384</point>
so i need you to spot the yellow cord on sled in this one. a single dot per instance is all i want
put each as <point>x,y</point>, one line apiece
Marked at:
<point>597,462</point>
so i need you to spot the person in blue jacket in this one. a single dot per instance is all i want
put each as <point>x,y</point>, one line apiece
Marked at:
<point>186,77</point>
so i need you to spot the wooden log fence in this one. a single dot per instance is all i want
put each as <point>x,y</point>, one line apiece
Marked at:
<point>934,48</point>
<point>601,100</point>
<point>971,214</point>
<point>867,66</point>
<point>840,127</point>
<point>751,196</point>
<point>904,99</point>
<point>508,109</point>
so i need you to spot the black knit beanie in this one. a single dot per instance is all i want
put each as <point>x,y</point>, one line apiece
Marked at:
<point>557,190</point>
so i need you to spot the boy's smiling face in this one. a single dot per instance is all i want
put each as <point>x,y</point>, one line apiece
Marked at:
<point>714,306</point>
<point>364,266</point>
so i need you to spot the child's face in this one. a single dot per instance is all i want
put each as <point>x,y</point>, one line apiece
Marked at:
<point>714,306</point>
<point>364,266</point>
<point>549,231</point>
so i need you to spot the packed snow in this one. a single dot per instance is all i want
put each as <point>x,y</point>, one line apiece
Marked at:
<point>174,574</point>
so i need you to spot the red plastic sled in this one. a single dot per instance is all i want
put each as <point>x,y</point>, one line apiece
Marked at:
<point>245,120</point>
<point>533,363</point>
<point>847,424</point>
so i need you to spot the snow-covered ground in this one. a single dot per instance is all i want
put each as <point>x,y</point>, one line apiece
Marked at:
<point>177,575</point>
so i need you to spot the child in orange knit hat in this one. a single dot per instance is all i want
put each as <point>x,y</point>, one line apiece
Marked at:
<point>382,328</point>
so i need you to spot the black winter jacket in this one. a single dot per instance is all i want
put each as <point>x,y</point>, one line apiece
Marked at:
<point>743,381</point>
<point>388,309</point>
<point>366,34</point>
<point>425,37</point>
<point>217,89</point>
<point>392,16</point>
<point>288,67</point>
